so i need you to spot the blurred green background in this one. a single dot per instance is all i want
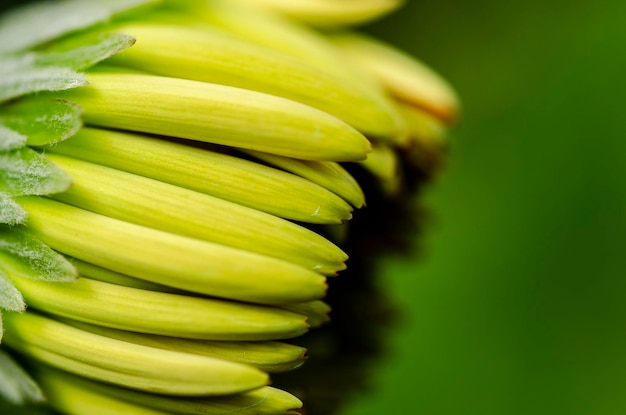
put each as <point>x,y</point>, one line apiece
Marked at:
<point>517,303</point>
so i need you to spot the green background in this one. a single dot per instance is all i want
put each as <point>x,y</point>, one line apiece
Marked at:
<point>516,305</point>
<point>515,302</point>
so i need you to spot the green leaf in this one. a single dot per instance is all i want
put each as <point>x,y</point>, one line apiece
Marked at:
<point>10,298</point>
<point>42,121</point>
<point>19,76</point>
<point>10,212</point>
<point>84,50</point>
<point>10,139</point>
<point>55,70</point>
<point>26,172</point>
<point>24,255</point>
<point>16,385</point>
<point>40,22</point>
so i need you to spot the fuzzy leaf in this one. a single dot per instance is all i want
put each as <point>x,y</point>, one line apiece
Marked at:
<point>55,70</point>
<point>16,385</point>
<point>42,121</point>
<point>10,212</point>
<point>84,50</point>
<point>21,76</point>
<point>10,298</point>
<point>26,172</point>
<point>24,255</point>
<point>40,22</point>
<point>10,139</point>
<point>16,62</point>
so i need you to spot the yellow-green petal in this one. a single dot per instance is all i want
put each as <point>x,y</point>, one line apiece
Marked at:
<point>209,55</point>
<point>170,259</point>
<point>159,205</point>
<point>331,12</point>
<point>143,311</point>
<point>188,373</point>
<point>217,114</point>
<point>224,176</point>
<point>406,77</point>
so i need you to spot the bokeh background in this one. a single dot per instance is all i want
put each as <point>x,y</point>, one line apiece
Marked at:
<point>514,303</point>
